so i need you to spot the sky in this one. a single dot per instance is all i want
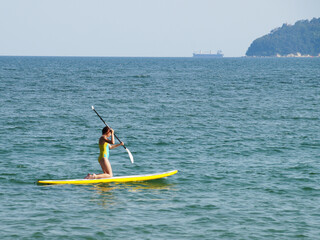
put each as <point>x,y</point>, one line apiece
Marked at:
<point>142,28</point>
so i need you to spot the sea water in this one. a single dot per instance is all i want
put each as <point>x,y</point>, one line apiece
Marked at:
<point>244,134</point>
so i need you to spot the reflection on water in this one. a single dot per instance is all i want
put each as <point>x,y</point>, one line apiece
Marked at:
<point>107,193</point>
<point>160,184</point>
<point>134,186</point>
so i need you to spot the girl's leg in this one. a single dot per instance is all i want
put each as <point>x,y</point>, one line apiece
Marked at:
<point>91,176</point>
<point>106,168</point>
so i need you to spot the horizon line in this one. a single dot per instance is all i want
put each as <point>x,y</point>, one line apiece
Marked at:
<point>93,56</point>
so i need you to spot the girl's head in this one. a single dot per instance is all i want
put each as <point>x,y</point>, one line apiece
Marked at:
<point>105,130</point>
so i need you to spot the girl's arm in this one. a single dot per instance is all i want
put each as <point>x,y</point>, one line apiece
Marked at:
<point>116,145</point>
<point>109,141</point>
<point>112,137</point>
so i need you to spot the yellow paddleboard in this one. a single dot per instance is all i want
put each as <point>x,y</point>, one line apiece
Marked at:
<point>113,179</point>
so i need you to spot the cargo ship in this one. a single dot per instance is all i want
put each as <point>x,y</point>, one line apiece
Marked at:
<point>208,54</point>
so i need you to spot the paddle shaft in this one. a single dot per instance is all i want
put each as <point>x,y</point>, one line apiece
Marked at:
<point>107,126</point>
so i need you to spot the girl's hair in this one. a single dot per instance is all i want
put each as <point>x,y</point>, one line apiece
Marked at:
<point>105,130</point>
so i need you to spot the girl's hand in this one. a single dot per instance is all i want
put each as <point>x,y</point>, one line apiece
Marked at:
<point>112,131</point>
<point>121,144</point>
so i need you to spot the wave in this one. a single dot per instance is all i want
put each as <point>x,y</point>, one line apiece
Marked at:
<point>141,76</point>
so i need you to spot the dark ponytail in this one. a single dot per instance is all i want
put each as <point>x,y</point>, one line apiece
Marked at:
<point>105,130</point>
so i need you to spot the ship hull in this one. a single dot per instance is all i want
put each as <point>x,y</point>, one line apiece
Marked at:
<point>197,55</point>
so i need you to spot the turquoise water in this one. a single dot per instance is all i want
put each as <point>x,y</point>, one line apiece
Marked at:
<point>243,133</point>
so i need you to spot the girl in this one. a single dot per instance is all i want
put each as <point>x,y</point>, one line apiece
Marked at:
<point>105,145</point>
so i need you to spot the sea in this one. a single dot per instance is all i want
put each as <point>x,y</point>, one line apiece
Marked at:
<point>244,134</point>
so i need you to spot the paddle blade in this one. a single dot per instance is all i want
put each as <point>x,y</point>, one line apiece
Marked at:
<point>130,155</point>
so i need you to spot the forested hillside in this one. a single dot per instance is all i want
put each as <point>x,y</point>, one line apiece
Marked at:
<point>302,38</point>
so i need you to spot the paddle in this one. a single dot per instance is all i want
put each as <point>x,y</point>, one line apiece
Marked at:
<point>129,153</point>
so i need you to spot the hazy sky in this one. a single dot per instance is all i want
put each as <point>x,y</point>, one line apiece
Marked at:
<point>151,28</point>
